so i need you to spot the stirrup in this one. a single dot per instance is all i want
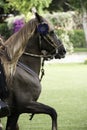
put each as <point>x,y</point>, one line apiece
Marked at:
<point>4,109</point>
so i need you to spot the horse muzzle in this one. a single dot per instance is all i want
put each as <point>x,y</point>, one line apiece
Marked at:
<point>60,54</point>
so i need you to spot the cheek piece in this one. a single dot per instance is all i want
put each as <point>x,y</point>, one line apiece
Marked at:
<point>43,28</point>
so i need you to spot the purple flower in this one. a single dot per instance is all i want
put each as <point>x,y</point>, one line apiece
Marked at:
<point>18,24</point>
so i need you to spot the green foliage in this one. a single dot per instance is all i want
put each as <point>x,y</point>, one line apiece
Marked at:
<point>80,49</point>
<point>66,5</point>
<point>60,32</point>
<point>63,27</point>
<point>24,6</point>
<point>1,3</point>
<point>78,4</point>
<point>77,38</point>
<point>85,62</point>
<point>4,31</point>
<point>68,30</point>
<point>62,20</point>
<point>66,40</point>
<point>4,5</point>
<point>73,38</point>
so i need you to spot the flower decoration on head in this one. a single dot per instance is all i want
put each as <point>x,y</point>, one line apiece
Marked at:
<point>43,28</point>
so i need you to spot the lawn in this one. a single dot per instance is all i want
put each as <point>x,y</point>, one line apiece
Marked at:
<point>65,89</point>
<point>80,49</point>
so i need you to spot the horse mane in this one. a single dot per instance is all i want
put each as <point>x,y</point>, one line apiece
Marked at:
<point>15,47</point>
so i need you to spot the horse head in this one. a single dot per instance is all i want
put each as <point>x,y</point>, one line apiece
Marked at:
<point>51,45</point>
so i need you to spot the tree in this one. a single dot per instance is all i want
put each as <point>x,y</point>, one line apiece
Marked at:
<point>74,5</point>
<point>81,6</point>
<point>24,6</point>
<point>84,10</point>
<point>3,6</point>
<point>58,5</point>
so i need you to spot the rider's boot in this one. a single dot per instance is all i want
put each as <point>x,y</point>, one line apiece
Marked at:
<point>4,109</point>
<point>4,93</point>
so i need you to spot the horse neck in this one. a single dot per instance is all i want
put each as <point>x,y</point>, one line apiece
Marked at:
<point>33,47</point>
<point>33,63</point>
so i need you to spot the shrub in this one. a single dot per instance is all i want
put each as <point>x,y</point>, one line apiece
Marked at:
<point>12,24</point>
<point>63,35</point>
<point>4,31</point>
<point>67,26</point>
<point>59,32</point>
<point>77,37</point>
<point>85,62</point>
<point>65,20</point>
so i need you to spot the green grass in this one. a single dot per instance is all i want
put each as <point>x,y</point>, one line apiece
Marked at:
<point>80,49</point>
<point>65,89</point>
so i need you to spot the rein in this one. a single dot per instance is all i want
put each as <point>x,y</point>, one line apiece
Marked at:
<point>35,55</point>
<point>44,56</point>
<point>42,70</point>
<point>42,64</point>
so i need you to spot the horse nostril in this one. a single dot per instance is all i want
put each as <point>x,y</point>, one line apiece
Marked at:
<point>64,51</point>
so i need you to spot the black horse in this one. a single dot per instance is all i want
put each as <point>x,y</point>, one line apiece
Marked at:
<point>23,81</point>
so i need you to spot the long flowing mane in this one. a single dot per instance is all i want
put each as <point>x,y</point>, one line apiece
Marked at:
<point>15,47</point>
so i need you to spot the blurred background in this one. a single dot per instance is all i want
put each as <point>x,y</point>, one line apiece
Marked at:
<point>65,80</point>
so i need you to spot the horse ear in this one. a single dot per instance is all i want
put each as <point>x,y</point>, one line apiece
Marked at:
<point>34,11</point>
<point>38,17</point>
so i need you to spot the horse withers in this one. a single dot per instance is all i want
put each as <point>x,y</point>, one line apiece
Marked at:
<point>38,40</point>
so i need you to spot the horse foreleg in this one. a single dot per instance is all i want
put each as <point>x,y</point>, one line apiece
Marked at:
<point>12,122</point>
<point>39,108</point>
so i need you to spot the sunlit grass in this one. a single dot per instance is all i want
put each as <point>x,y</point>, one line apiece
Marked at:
<point>64,87</point>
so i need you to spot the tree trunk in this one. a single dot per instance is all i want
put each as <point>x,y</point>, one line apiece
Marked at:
<point>85,25</point>
<point>84,12</point>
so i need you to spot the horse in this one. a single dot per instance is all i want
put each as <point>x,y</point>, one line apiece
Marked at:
<point>35,40</point>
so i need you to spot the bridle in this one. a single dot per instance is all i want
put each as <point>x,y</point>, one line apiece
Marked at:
<point>44,56</point>
<point>42,29</point>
